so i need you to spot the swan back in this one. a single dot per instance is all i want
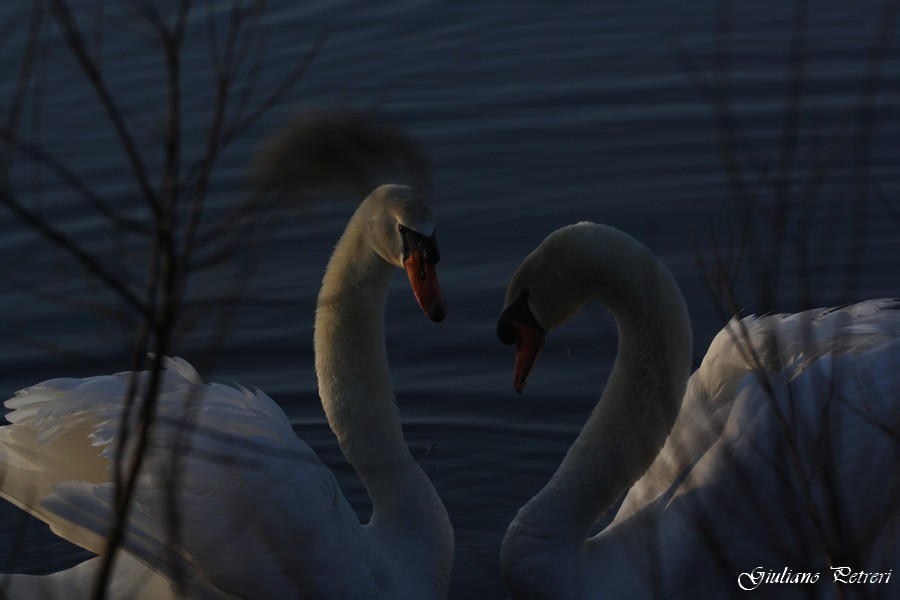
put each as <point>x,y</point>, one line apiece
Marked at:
<point>770,352</point>
<point>218,452</point>
<point>802,467</point>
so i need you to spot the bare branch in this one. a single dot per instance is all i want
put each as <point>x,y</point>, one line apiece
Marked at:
<point>88,262</point>
<point>77,46</point>
<point>70,178</point>
<point>240,127</point>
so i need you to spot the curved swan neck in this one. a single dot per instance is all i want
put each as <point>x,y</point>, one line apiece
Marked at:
<point>639,404</point>
<point>629,424</point>
<point>355,383</point>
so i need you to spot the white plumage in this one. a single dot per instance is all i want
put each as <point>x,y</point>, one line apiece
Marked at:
<point>779,452</point>
<point>241,456</point>
<point>229,502</point>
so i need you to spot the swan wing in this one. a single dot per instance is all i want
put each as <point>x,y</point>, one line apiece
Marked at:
<point>229,502</point>
<point>804,472</point>
<point>800,474</point>
<point>130,579</point>
<point>778,346</point>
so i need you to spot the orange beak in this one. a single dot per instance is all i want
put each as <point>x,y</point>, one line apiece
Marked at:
<point>529,342</point>
<point>517,325</point>
<point>425,286</point>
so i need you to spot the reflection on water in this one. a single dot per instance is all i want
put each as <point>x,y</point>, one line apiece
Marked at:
<point>533,118</point>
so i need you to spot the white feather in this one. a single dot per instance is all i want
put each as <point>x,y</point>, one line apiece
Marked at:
<point>228,502</point>
<point>779,452</point>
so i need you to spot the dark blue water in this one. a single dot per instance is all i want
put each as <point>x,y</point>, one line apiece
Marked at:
<point>533,117</point>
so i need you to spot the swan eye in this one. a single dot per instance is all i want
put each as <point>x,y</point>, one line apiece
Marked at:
<point>413,242</point>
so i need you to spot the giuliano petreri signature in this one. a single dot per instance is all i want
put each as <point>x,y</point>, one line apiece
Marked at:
<point>760,576</point>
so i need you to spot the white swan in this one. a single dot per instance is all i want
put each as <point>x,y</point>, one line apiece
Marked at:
<point>258,515</point>
<point>780,452</point>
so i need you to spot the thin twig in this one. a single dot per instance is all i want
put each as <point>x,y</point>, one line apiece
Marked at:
<point>77,46</point>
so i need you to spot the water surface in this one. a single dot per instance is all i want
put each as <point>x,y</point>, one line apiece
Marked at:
<point>533,117</point>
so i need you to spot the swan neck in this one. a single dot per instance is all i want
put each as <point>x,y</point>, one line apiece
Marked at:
<point>354,379</point>
<point>637,408</point>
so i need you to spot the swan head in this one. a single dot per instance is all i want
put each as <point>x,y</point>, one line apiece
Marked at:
<point>403,234</point>
<point>556,280</point>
